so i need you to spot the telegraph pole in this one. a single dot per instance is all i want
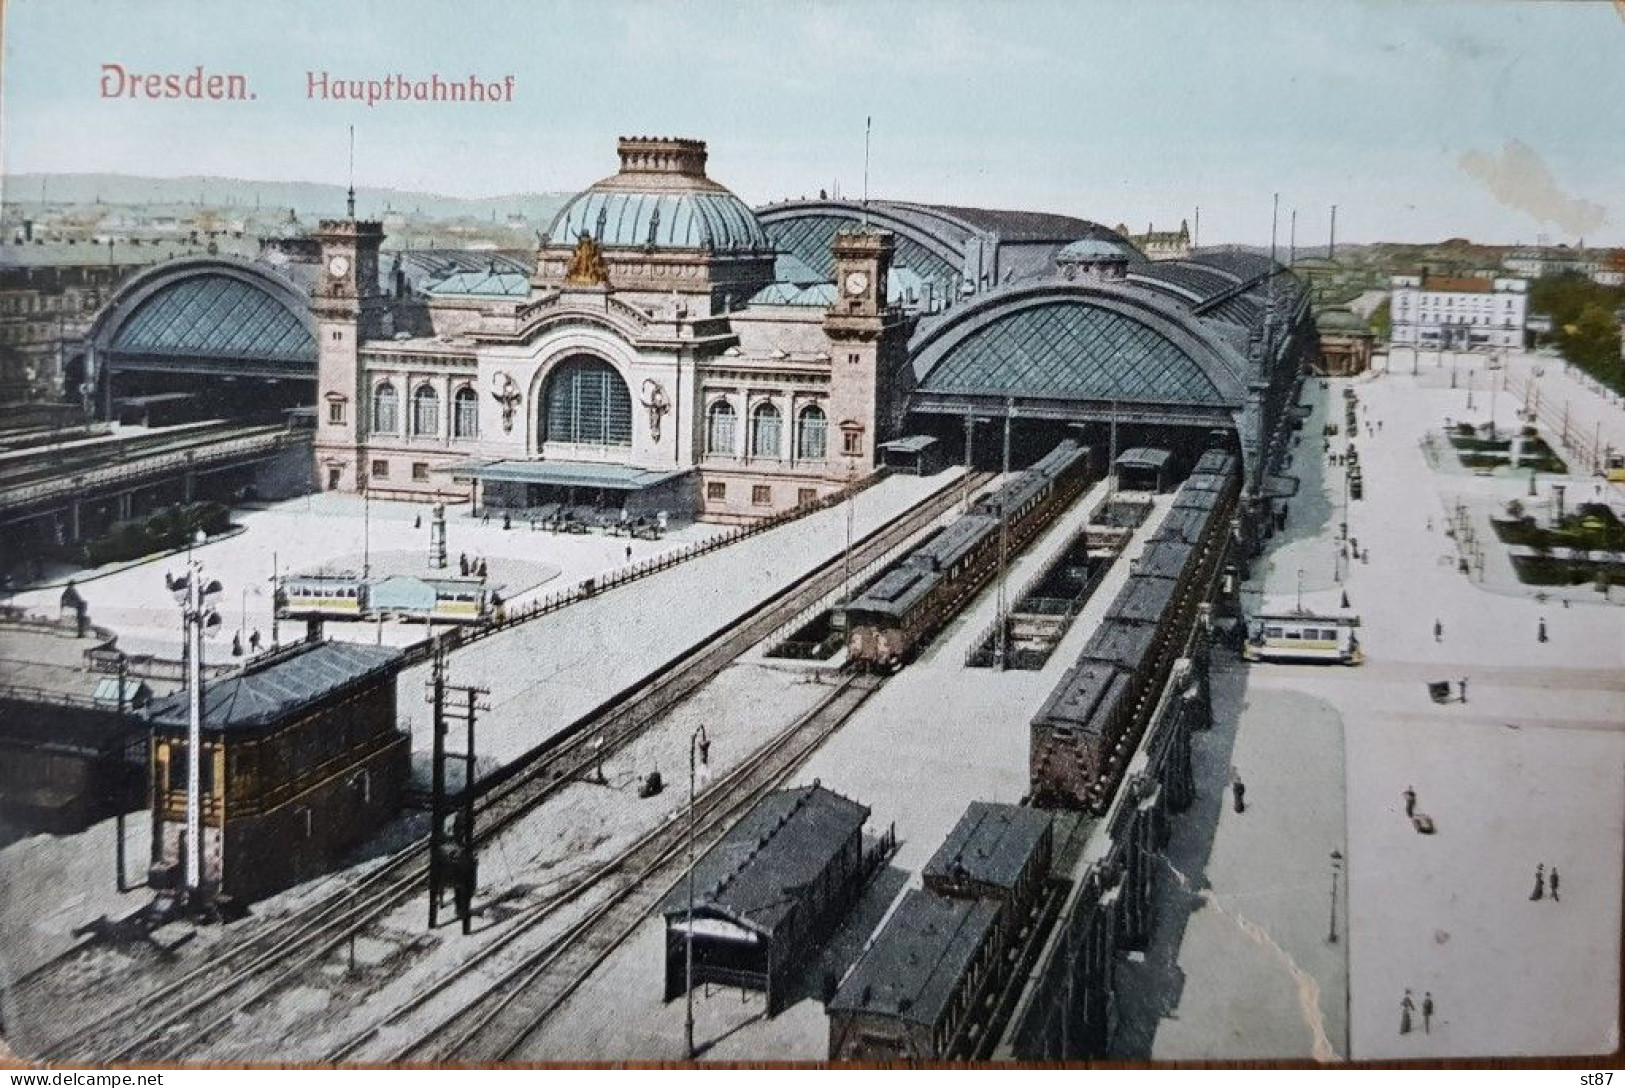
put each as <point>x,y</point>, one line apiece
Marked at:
<point>1004,539</point>
<point>453,861</point>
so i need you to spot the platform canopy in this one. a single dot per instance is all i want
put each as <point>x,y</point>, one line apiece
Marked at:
<point>1141,457</point>
<point>564,474</point>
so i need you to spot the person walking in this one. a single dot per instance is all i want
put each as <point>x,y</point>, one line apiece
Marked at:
<point>1238,793</point>
<point>1406,1008</point>
<point>629,553</point>
<point>254,640</point>
<point>1427,1012</point>
<point>1464,689</point>
<point>1542,629</point>
<point>1540,883</point>
<point>1553,883</point>
<point>1410,802</point>
<point>1438,631</point>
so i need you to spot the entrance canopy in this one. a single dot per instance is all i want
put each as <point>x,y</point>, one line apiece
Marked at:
<point>565,474</point>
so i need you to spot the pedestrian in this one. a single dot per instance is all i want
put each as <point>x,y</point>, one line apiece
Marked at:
<point>417,522</point>
<point>1464,689</point>
<point>1438,631</point>
<point>462,563</point>
<point>1540,883</point>
<point>1410,802</point>
<point>1542,635</point>
<point>1238,792</point>
<point>1406,1007</point>
<point>629,553</point>
<point>1427,1012</point>
<point>1430,525</point>
<point>254,640</point>
<point>507,522</point>
<point>1555,898</point>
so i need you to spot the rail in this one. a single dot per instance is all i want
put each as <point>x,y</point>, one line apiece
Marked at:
<point>155,464</point>
<point>289,946</point>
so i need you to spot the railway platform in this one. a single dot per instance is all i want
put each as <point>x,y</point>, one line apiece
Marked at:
<point>935,736</point>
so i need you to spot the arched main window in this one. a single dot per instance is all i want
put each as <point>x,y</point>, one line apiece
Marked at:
<point>586,402</point>
<point>764,430</point>
<point>812,434</point>
<point>425,411</point>
<point>386,409</point>
<point>720,420</point>
<point>465,413</point>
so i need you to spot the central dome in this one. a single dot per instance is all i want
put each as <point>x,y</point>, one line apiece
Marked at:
<point>660,199</point>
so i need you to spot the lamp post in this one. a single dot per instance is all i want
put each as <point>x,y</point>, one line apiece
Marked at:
<point>699,745</point>
<point>1300,590</point>
<point>198,616</point>
<point>1337,867</point>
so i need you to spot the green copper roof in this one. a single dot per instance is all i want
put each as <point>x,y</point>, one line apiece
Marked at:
<point>684,220</point>
<point>216,315</point>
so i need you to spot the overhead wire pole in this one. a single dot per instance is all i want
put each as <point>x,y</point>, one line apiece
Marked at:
<point>868,124</point>
<point>1004,538</point>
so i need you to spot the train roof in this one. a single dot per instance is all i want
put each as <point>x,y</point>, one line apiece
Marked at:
<point>1183,524</point>
<point>953,543</point>
<point>991,844</point>
<point>916,961</point>
<point>1206,481</point>
<point>1126,644</point>
<point>1144,598</point>
<point>895,592</point>
<point>1197,499</point>
<point>1216,462</point>
<point>1163,559</point>
<point>1086,695</point>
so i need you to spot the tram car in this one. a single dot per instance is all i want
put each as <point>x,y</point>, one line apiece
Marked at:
<point>1302,636</point>
<point>405,596</point>
<point>1084,734</point>
<point>898,612</point>
<point>322,596</point>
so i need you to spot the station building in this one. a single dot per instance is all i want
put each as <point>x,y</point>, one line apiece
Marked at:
<point>668,347</point>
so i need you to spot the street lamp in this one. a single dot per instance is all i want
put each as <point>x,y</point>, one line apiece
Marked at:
<point>198,617</point>
<point>1300,590</point>
<point>699,746</point>
<point>1337,867</point>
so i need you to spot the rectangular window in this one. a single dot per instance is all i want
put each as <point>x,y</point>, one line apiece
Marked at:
<point>335,411</point>
<point>338,334</point>
<point>420,471</point>
<point>805,496</point>
<point>380,470</point>
<point>853,357</point>
<point>852,443</point>
<point>761,495</point>
<point>716,491</point>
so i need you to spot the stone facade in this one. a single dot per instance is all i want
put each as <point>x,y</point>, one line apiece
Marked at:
<point>634,348</point>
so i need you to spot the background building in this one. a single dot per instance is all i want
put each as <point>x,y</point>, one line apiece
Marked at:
<point>1463,313</point>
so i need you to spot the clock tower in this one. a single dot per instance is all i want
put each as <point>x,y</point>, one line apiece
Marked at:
<point>864,334</point>
<point>349,310</point>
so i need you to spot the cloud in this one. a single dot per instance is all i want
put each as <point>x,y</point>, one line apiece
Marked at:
<point>1519,178</point>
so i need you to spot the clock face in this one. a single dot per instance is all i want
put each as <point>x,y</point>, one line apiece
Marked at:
<point>857,283</point>
<point>338,266</point>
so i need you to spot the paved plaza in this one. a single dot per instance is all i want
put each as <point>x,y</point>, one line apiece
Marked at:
<point>1529,771</point>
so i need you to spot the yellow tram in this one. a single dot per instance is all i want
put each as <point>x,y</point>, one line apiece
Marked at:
<point>1303,636</point>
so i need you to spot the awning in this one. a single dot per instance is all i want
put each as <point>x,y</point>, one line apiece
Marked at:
<point>914,443</point>
<point>1143,457</point>
<point>564,474</point>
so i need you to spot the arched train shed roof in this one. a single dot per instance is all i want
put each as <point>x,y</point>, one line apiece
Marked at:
<point>212,315</point>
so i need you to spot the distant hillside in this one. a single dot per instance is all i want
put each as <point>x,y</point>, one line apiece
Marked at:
<point>311,200</point>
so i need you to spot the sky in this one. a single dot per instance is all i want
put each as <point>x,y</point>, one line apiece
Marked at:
<point>1498,121</point>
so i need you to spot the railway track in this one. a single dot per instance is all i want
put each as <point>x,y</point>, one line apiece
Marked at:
<point>150,1028</point>
<point>505,1013</point>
